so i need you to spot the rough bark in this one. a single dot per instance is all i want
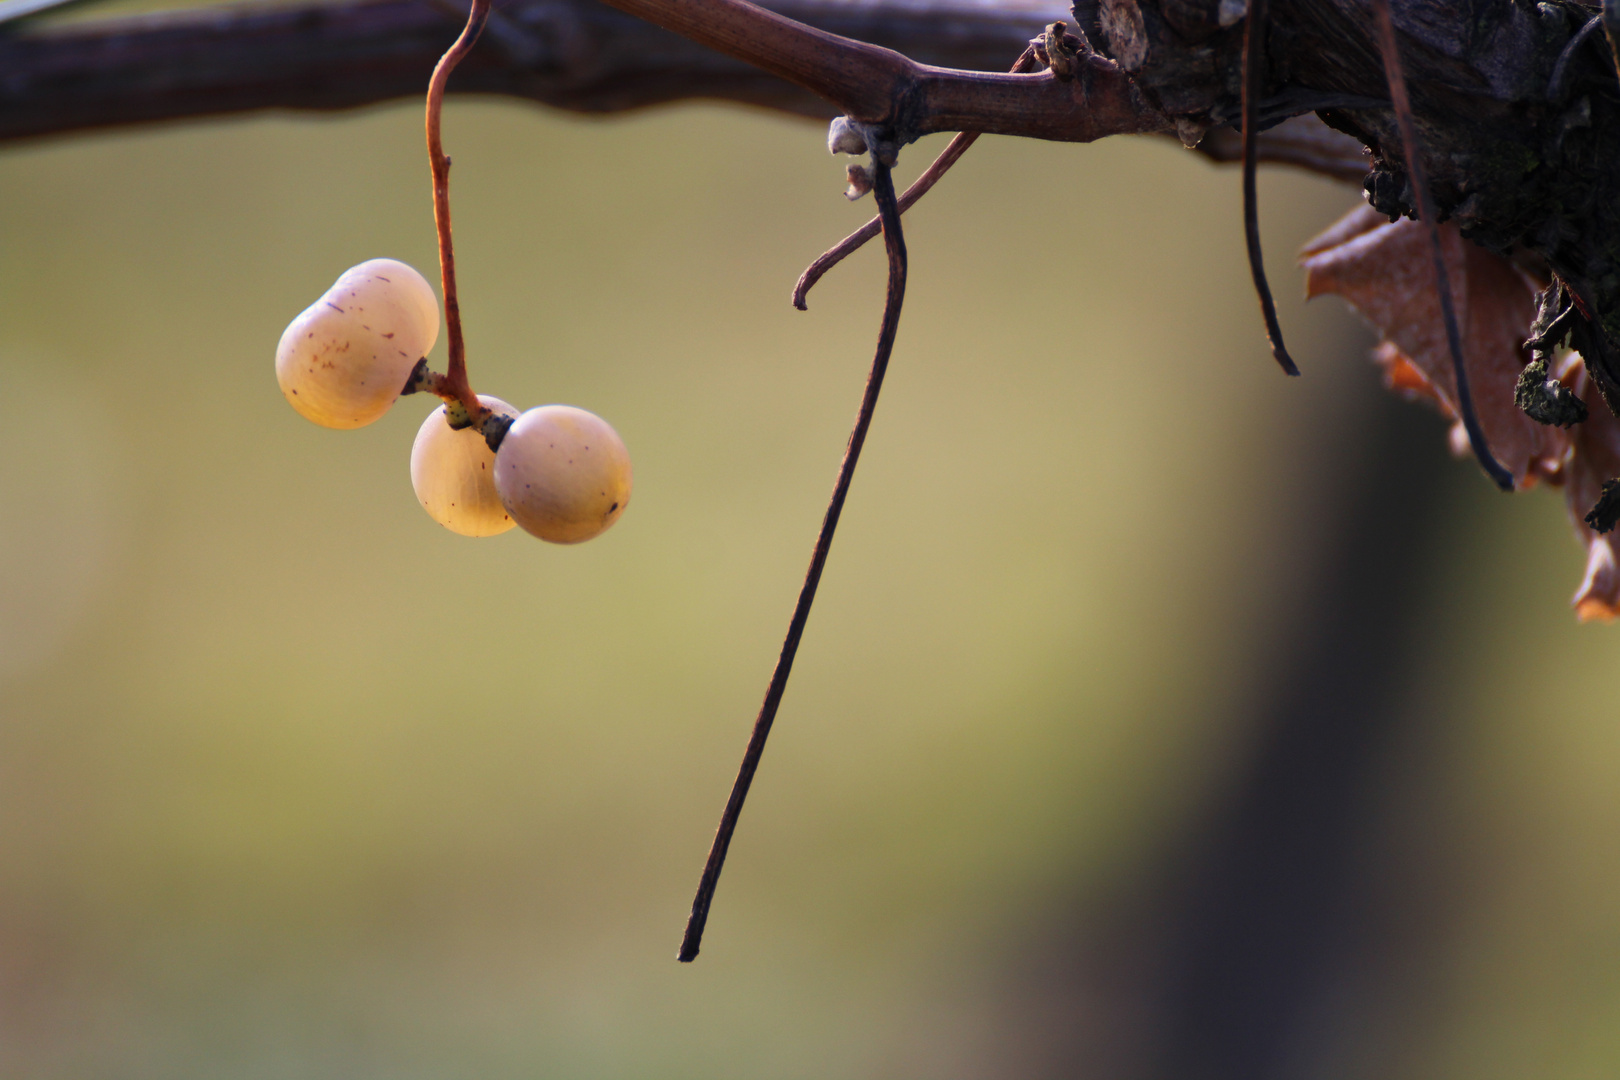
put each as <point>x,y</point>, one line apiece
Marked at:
<point>1522,162</point>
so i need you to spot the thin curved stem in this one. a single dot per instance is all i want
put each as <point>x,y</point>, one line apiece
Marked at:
<point>856,240</point>
<point>1254,36</point>
<point>456,384</point>
<point>1425,207</point>
<point>919,187</point>
<point>889,211</point>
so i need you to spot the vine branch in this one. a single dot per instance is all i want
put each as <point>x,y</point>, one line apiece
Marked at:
<point>568,54</point>
<point>896,95</point>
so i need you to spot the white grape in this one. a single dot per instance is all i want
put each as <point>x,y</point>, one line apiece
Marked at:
<point>563,473</point>
<point>346,358</point>
<point>453,473</point>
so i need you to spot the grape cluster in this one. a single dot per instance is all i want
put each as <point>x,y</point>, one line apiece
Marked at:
<point>561,473</point>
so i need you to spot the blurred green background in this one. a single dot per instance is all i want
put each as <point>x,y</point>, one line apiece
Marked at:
<point>295,783</point>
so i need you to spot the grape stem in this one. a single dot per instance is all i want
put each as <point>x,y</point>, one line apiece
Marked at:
<point>889,214</point>
<point>454,387</point>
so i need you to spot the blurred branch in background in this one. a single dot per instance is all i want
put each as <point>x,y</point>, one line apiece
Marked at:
<point>570,54</point>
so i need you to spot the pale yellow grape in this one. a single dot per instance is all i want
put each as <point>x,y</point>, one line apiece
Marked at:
<point>453,473</point>
<point>346,358</point>
<point>563,473</point>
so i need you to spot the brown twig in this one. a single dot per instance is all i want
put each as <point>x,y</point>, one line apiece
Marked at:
<point>889,210</point>
<point>882,88</point>
<point>455,378</point>
<point>1254,36</point>
<point>921,186</point>
<point>1390,49</point>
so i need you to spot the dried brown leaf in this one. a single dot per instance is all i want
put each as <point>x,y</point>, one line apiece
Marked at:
<point>1403,377</point>
<point>1596,458</point>
<point>1385,271</point>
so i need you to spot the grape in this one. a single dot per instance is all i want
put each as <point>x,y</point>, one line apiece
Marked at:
<point>346,358</point>
<point>563,473</point>
<point>453,473</point>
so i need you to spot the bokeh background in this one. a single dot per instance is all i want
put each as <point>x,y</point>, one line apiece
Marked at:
<point>1159,716</point>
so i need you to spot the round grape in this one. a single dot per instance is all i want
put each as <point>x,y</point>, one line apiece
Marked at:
<point>453,473</point>
<point>563,473</point>
<point>346,358</point>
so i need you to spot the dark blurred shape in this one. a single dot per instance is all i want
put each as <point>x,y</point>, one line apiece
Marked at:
<point>1289,924</point>
<point>1268,920</point>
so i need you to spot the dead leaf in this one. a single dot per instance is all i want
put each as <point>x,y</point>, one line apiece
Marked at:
<point>1595,458</point>
<point>1385,271</point>
<point>1403,377</point>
